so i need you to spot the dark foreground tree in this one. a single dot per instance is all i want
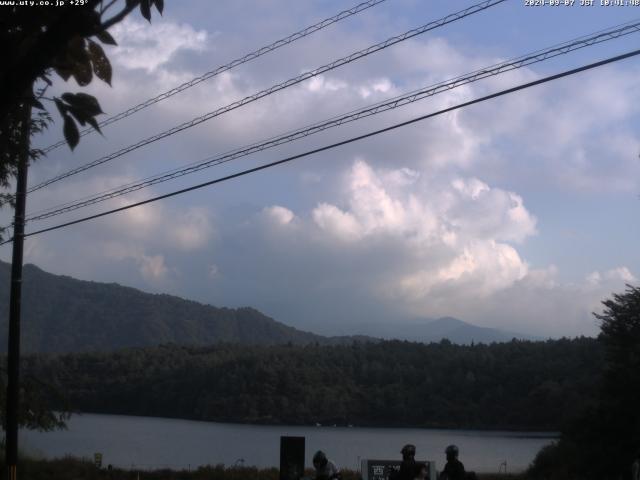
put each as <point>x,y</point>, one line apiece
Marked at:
<point>620,396</point>
<point>602,443</point>
<point>36,399</point>
<point>38,42</point>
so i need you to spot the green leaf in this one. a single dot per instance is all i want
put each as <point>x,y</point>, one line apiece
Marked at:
<point>79,115</point>
<point>84,102</point>
<point>159,5</point>
<point>82,73</point>
<point>101,64</point>
<point>92,19</point>
<point>106,38</point>
<point>71,134</point>
<point>83,107</point>
<point>79,61</point>
<point>37,103</point>
<point>69,97</point>
<point>92,121</point>
<point>62,108</point>
<point>63,72</point>
<point>145,9</point>
<point>76,50</point>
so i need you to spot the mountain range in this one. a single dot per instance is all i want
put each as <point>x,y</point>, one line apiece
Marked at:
<point>63,314</point>
<point>452,329</point>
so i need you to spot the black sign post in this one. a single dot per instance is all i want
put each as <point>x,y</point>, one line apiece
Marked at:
<point>291,458</point>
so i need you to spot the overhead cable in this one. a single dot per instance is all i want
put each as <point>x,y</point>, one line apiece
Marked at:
<point>275,88</point>
<point>399,101</point>
<point>224,68</point>
<point>524,86</point>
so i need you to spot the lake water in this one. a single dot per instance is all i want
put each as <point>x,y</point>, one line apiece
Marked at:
<point>148,443</point>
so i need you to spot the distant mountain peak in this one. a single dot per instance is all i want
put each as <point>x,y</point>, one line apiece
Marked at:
<point>450,328</point>
<point>63,314</point>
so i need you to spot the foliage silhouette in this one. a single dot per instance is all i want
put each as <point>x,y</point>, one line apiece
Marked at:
<point>602,442</point>
<point>38,42</point>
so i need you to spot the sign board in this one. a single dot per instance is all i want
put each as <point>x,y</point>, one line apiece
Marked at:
<point>382,469</point>
<point>97,459</point>
<point>291,458</point>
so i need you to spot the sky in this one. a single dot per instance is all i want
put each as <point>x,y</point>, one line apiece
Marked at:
<point>520,213</point>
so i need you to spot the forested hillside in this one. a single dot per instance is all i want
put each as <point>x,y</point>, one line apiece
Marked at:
<point>515,385</point>
<point>62,314</point>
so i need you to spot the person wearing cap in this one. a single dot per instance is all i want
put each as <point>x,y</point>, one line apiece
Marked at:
<point>454,469</point>
<point>408,465</point>
<point>325,468</point>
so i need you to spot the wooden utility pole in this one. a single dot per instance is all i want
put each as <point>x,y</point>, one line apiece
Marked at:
<point>13,361</point>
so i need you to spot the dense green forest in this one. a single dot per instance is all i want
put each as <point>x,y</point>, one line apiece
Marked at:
<point>515,385</point>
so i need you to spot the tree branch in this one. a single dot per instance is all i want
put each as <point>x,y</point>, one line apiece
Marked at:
<point>107,7</point>
<point>117,18</point>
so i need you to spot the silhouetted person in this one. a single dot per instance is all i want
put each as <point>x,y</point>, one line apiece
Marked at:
<point>408,465</point>
<point>325,468</point>
<point>454,469</point>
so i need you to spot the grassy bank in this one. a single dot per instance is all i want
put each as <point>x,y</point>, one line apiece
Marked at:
<point>75,469</point>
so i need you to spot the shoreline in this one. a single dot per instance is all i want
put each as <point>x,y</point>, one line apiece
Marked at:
<point>70,467</point>
<point>153,441</point>
<point>509,432</point>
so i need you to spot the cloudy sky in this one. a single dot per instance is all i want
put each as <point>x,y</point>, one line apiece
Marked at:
<point>520,213</point>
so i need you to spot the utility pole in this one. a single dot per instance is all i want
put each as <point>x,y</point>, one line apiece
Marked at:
<point>13,361</point>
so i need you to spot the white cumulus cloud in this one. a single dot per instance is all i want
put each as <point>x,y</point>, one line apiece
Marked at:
<point>149,46</point>
<point>455,233</point>
<point>279,215</point>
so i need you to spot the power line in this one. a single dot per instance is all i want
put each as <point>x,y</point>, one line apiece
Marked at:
<point>390,104</point>
<point>343,142</point>
<point>280,86</point>
<point>519,62</point>
<point>224,68</point>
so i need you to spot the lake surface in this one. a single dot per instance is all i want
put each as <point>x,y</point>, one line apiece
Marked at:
<point>148,443</point>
